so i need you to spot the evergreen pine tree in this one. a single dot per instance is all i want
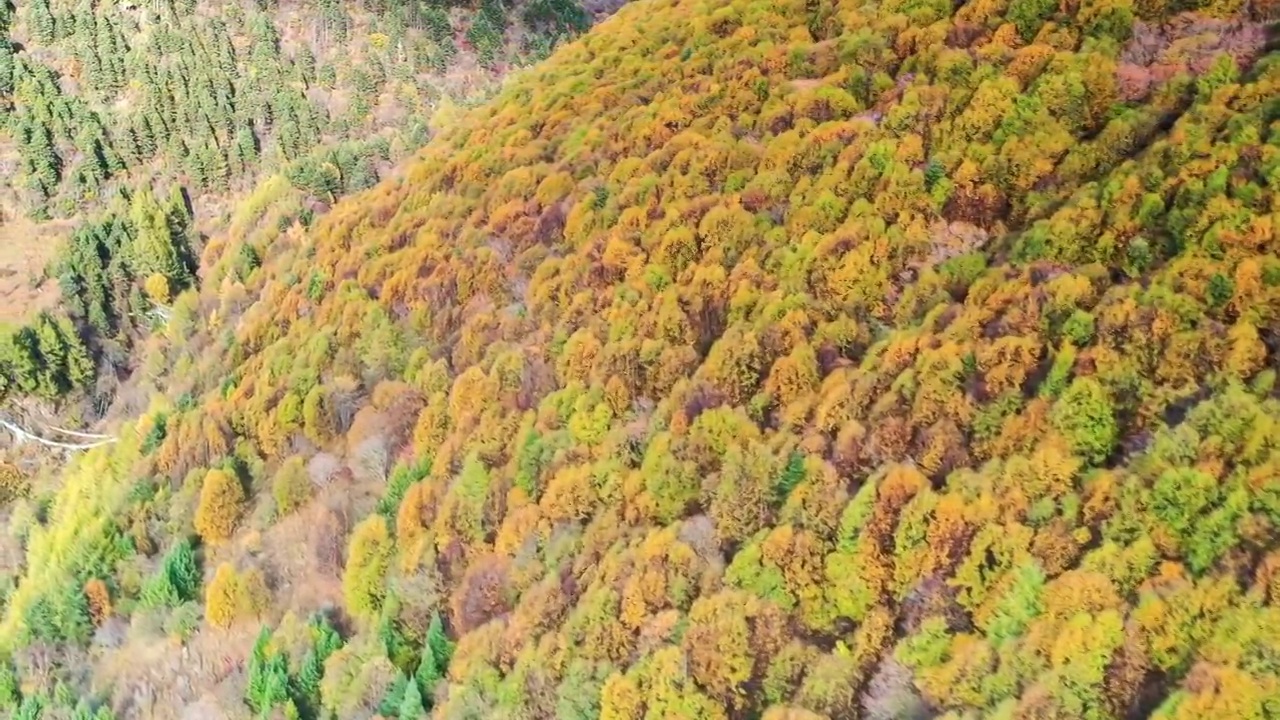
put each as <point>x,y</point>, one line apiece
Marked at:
<point>437,650</point>
<point>288,136</point>
<point>792,475</point>
<point>246,148</point>
<point>82,711</point>
<point>327,639</point>
<point>159,592</point>
<point>178,219</point>
<point>182,571</point>
<point>39,621</point>
<point>305,63</point>
<point>440,29</point>
<point>42,160</point>
<point>218,169</point>
<point>428,674</point>
<point>143,139</point>
<point>111,54</point>
<point>306,684</point>
<point>153,249</point>
<point>439,643</point>
<point>276,684</point>
<point>394,696</point>
<point>257,688</point>
<point>411,704</point>
<point>486,32</point>
<point>31,708</point>
<point>24,360</point>
<point>70,615</point>
<point>7,67</point>
<point>79,364</point>
<point>41,22</point>
<point>224,51</point>
<point>397,647</point>
<point>84,40</point>
<point>53,381</point>
<point>9,695</point>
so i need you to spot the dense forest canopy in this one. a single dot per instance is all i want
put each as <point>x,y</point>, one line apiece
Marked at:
<point>742,359</point>
<point>104,103</point>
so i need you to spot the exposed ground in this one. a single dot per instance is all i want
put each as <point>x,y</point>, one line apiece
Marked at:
<point>25,250</point>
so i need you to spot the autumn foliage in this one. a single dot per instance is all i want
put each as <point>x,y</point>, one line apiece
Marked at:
<point>793,360</point>
<point>232,595</point>
<point>221,504</point>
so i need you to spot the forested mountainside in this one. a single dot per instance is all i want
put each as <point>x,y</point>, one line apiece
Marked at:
<point>744,359</point>
<point>142,125</point>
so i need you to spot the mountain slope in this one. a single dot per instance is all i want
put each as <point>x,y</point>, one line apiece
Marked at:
<point>106,104</point>
<point>744,359</point>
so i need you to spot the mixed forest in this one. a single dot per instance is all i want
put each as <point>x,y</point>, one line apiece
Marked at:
<point>149,123</point>
<point>742,359</point>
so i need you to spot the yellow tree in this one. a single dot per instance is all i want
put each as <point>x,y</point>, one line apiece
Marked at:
<point>221,504</point>
<point>368,558</point>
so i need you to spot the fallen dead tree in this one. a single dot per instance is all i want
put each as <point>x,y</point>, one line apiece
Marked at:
<point>88,441</point>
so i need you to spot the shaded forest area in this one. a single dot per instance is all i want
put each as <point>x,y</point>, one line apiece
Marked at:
<point>743,359</point>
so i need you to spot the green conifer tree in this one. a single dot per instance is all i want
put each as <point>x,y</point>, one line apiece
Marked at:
<point>268,681</point>
<point>9,686</point>
<point>154,250</point>
<point>397,647</point>
<point>41,22</point>
<point>31,708</point>
<point>183,571</point>
<point>53,381</point>
<point>7,68</point>
<point>437,650</point>
<point>411,707</point>
<point>394,696</point>
<point>305,686</point>
<point>24,360</point>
